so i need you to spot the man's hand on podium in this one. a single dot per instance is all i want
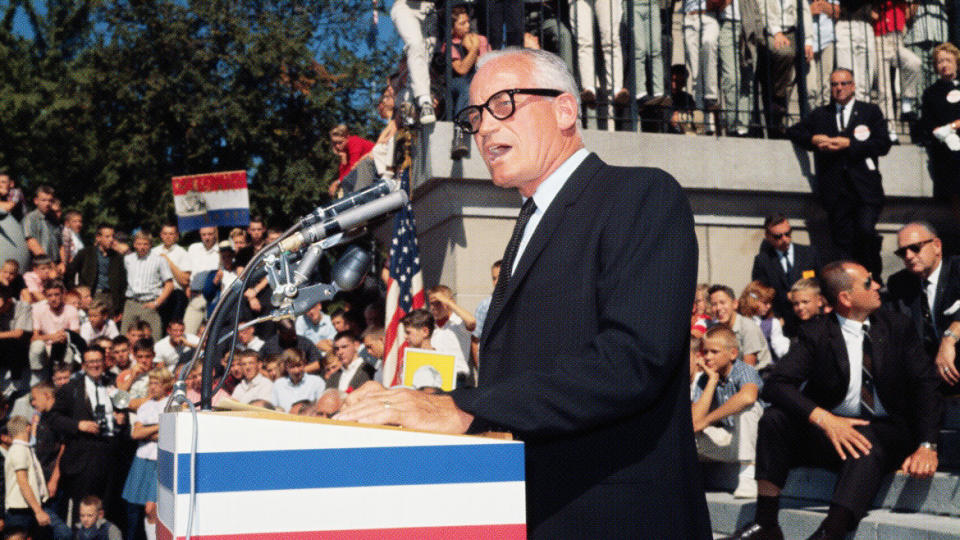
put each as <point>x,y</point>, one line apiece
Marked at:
<point>374,404</point>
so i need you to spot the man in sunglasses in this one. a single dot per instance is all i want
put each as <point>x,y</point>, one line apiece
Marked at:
<point>780,263</point>
<point>856,395</point>
<point>928,291</point>
<point>847,138</point>
<point>585,346</point>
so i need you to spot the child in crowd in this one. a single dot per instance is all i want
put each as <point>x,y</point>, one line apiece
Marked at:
<point>47,442</point>
<point>92,525</point>
<point>27,498</point>
<point>419,327</point>
<point>273,368</point>
<point>699,320</point>
<point>140,489</point>
<point>42,270</point>
<point>11,282</point>
<point>751,344</point>
<point>98,323</point>
<point>11,198</point>
<point>806,298</point>
<point>194,383</point>
<point>756,302</point>
<point>725,408</point>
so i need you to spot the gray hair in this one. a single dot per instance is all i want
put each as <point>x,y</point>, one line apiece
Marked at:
<point>922,224</point>
<point>549,70</point>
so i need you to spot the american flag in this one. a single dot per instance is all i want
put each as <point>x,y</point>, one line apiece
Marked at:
<point>404,286</point>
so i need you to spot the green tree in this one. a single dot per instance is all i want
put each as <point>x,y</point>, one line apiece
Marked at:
<point>109,99</point>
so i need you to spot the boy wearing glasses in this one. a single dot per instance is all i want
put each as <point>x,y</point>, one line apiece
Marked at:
<point>928,291</point>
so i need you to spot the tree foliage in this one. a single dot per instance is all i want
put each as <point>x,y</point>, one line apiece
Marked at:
<point>108,99</point>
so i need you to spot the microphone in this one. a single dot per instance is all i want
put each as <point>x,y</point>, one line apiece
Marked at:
<point>351,268</point>
<point>370,193</point>
<point>345,221</point>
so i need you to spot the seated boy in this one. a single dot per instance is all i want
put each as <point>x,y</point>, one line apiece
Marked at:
<point>92,525</point>
<point>751,343</point>
<point>806,298</point>
<point>99,323</point>
<point>725,409</point>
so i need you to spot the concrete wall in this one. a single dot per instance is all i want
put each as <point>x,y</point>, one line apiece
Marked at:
<point>464,222</point>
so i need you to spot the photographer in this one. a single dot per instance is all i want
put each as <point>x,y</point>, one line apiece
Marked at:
<point>84,416</point>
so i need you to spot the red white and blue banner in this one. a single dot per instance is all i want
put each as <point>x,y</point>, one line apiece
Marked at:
<point>285,477</point>
<point>211,200</point>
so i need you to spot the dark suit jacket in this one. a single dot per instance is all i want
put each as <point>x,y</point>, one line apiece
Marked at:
<point>816,372</point>
<point>904,296</point>
<point>82,449</point>
<point>364,374</point>
<point>587,361</point>
<point>845,176</point>
<point>767,270</point>
<point>85,264</point>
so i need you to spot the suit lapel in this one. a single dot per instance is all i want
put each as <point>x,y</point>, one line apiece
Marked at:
<point>839,349</point>
<point>552,218</point>
<point>939,302</point>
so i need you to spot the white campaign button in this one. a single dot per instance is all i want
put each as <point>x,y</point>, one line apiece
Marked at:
<point>861,133</point>
<point>953,96</point>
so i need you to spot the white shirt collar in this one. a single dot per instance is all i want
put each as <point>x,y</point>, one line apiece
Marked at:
<point>851,326</point>
<point>934,277</point>
<point>548,189</point>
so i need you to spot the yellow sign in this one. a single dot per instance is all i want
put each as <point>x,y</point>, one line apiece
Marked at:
<point>423,368</point>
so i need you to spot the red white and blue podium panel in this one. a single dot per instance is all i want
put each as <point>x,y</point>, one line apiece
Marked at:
<point>273,476</point>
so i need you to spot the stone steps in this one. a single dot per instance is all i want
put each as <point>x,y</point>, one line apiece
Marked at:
<point>799,518</point>
<point>939,495</point>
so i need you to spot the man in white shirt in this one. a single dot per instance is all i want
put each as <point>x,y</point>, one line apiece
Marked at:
<point>254,385</point>
<point>316,326</point>
<point>179,263</point>
<point>297,385</point>
<point>149,284</point>
<point>353,371</point>
<point>170,349</point>
<point>202,256</point>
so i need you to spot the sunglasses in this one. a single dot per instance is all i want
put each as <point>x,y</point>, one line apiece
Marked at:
<point>501,105</point>
<point>781,235</point>
<point>915,248</point>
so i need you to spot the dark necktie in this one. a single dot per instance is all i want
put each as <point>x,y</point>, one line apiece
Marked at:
<point>842,126</point>
<point>786,261</point>
<point>929,329</point>
<point>866,383</point>
<point>506,266</point>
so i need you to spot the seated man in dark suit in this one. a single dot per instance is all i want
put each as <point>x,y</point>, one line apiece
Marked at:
<point>928,291</point>
<point>855,394</point>
<point>780,263</point>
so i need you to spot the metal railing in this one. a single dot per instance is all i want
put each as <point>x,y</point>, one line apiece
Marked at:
<point>727,67</point>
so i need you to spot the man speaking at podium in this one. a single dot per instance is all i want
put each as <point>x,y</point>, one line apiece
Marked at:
<point>585,347</point>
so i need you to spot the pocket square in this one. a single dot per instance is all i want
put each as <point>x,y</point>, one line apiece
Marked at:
<point>952,309</point>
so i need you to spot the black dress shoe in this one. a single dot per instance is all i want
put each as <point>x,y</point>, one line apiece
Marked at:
<point>756,531</point>
<point>460,148</point>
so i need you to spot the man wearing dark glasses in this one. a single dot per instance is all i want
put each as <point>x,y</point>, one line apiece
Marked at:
<point>585,346</point>
<point>928,291</point>
<point>780,263</point>
<point>856,395</point>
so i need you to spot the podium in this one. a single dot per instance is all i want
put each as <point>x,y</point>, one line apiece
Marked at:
<point>277,476</point>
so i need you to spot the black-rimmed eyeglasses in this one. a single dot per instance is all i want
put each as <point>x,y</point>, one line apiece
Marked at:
<point>501,105</point>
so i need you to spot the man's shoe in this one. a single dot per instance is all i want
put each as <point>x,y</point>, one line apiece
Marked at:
<point>755,531</point>
<point>427,116</point>
<point>461,144</point>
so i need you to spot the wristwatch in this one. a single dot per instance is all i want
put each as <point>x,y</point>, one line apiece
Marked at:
<point>929,445</point>
<point>950,333</point>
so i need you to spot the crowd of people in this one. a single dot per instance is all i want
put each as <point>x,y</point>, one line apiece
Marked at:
<point>812,365</point>
<point>733,70</point>
<point>93,335</point>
